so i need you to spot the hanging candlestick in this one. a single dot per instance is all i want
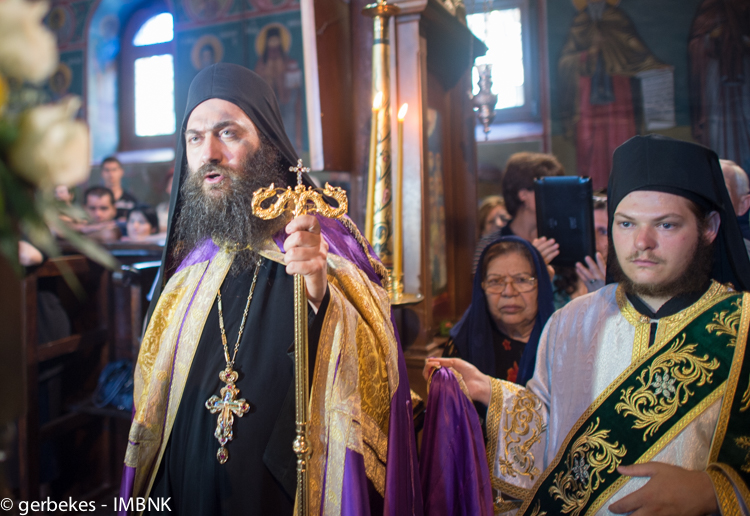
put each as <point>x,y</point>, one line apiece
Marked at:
<point>376,105</point>
<point>398,235</point>
<point>382,234</point>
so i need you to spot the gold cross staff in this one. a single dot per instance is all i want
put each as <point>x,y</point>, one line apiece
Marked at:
<point>300,201</point>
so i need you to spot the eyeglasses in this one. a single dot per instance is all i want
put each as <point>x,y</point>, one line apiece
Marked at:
<point>497,284</point>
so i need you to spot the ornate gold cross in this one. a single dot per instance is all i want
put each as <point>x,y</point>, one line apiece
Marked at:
<point>227,406</point>
<point>300,201</point>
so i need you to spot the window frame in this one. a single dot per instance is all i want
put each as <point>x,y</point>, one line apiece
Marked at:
<point>129,141</point>
<point>529,112</point>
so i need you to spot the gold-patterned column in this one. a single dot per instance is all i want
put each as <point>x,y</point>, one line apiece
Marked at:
<point>382,198</point>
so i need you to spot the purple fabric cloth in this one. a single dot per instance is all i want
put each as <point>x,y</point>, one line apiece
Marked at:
<point>355,499</point>
<point>205,251</point>
<point>403,493</point>
<point>454,471</point>
<point>126,487</point>
<point>340,243</point>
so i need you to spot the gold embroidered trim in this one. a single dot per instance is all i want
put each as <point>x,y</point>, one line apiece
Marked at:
<point>728,504</point>
<point>494,413</point>
<point>504,487</point>
<point>192,329</point>
<point>505,505</point>
<point>374,437</point>
<point>737,483</point>
<point>641,323</point>
<point>732,381</point>
<point>715,293</point>
<point>379,267</point>
<point>375,470</point>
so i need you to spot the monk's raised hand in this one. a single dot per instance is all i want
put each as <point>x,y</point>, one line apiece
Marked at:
<point>306,252</point>
<point>671,490</point>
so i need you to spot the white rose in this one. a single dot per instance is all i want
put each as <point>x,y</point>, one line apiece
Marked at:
<point>52,147</point>
<point>28,50</point>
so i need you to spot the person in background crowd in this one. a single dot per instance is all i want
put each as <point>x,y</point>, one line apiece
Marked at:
<point>162,209</point>
<point>112,173</point>
<point>738,187</point>
<point>64,194</point>
<point>492,215</point>
<point>99,203</point>
<point>143,225</point>
<point>520,201</point>
<point>594,273</point>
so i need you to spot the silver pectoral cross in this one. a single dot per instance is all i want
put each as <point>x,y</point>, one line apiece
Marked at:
<point>227,406</point>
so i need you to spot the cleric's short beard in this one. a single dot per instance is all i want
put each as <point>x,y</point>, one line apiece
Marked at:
<point>228,218</point>
<point>694,278</point>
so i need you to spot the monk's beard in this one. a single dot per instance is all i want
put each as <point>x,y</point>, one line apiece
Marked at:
<point>694,278</point>
<point>227,217</point>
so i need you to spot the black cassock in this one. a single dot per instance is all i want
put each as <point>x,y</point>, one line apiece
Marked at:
<point>260,475</point>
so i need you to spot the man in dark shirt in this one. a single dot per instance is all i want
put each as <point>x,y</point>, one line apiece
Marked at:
<point>112,173</point>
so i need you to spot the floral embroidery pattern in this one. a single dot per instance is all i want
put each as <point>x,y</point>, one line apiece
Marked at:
<point>513,373</point>
<point>581,470</point>
<point>664,385</point>
<point>671,374</point>
<point>589,457</point>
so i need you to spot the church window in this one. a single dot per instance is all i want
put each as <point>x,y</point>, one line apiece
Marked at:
<point>507,28</point>
<point>147,85</point>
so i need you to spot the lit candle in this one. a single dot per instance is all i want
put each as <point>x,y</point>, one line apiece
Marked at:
<point>370,215</point>
<point>398,252</point>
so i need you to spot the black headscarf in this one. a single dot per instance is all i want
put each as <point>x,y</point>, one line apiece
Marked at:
<point>662,164</point>
<point>255,97</point>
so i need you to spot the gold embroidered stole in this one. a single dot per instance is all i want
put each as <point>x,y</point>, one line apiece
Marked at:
<point>655,398</point>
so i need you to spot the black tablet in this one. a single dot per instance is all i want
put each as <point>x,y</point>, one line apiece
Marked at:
<point>565,212</point>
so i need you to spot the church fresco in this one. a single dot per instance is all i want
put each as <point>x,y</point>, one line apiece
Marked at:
<point>719,56</point>
<point>657,32</point>
<point>207,50</point>
<point>602,54</point>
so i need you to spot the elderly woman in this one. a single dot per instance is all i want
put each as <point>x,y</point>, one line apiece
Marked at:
<point>512,301</point>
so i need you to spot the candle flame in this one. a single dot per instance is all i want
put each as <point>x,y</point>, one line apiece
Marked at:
<point>402,112</point>
<point>377,103</point>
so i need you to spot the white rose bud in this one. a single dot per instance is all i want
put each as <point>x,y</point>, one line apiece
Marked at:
<point>28,50</point>
<point>52,147</point>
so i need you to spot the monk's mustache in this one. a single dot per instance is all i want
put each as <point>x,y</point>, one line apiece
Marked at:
<point>211,168</point>
<point>644,256</point>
